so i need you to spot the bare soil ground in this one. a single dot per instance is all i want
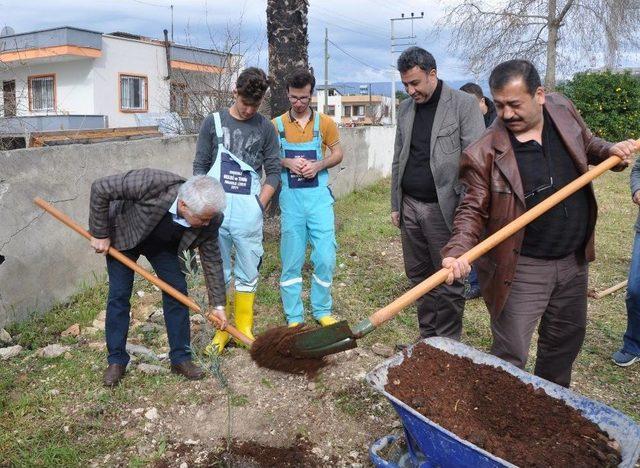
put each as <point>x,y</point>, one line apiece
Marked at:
<point>55,412</point>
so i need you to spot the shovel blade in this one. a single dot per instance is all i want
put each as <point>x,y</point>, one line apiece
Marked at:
<point>323,341</point>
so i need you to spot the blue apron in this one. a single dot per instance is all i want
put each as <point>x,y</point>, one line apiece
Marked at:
<point>307,215</point>
<point>242,225</point>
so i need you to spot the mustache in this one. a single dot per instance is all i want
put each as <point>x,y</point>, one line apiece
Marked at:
<point>512,119</point>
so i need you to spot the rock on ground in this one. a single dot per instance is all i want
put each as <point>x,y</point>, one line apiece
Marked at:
<point>157,316</point>
<point>73,330</point>
<point>86,331</point>
<point>151,414</point>
<point>142,312</point>
<point>141,351</point>
<point>11,351</point>
<point>382,350</point>
<point>5,338</point>
<point>151,369</point>
<point>52,351</point>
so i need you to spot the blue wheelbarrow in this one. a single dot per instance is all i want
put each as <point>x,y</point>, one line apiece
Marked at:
<point>429,444</point>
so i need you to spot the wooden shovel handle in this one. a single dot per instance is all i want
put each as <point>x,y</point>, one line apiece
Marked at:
<point>190,303</point>
<point>415,293</point>
<point>612,289</point>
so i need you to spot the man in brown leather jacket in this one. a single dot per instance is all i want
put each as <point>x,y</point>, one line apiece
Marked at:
<point>538,144</point>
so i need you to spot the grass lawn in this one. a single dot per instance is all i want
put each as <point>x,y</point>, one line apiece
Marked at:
<point>55,413</point>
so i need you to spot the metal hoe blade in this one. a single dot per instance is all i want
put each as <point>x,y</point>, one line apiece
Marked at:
<point>323,341</point>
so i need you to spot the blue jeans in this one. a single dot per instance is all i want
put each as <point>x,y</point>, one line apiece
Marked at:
<point>632,336</point>
<point>473,278</point>
<point>176,316</point>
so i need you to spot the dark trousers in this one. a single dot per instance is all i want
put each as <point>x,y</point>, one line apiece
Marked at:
<point>176,316</point>
<point>550,294</point>
<point>424,233</point>
<point>631,340</point>
<point>473,278</point>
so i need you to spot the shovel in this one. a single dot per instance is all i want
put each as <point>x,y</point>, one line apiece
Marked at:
<point>190,303</point>
<point>338,337</point>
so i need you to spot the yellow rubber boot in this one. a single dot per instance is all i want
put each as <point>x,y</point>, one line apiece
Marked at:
<point>221,338</point>
<point>327,320</point>
<point>244,312</point>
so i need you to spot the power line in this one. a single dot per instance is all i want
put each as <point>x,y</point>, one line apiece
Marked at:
<point>375,36</point>
<point>151,4</point>
<point>354,58</point>
<point>349,19</point>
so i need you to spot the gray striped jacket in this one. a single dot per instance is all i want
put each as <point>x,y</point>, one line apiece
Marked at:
<point>126,207</point>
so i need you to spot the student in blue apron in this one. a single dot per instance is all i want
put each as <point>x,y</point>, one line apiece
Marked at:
<point>234,146</point>
<point>306,201</point>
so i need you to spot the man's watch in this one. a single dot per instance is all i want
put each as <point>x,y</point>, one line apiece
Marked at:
<point>220,308</point>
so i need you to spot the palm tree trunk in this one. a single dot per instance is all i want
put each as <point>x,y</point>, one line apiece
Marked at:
<point>288,43</point>
<point>288,39</point>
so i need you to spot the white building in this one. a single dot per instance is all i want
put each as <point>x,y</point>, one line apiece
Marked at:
<point>353,109</point>
<point>70,78</point>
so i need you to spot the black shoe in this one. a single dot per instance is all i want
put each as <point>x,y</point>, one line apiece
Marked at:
<point>472,293</point>
<point>113,374</point>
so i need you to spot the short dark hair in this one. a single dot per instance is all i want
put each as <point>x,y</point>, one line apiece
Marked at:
<point>252,84</point>
<point>416,57</point>
<point>472,88</point>
<point>301,78</point>
<point>514,69</point>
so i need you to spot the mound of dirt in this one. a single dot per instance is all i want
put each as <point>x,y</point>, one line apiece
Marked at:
<point>250,454</point>
<point>274,349</point>
<point>498,412</point>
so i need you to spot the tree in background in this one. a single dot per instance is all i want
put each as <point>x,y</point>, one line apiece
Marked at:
<point>401,95</point>
<point>288,40</point>
<point>608,102</point>
<point>547,32</point>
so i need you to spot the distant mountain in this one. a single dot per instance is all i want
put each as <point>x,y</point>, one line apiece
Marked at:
<point>384,88</point>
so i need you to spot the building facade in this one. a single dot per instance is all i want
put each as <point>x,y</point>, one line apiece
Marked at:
<point>351,110</point>
<point>110,80</point>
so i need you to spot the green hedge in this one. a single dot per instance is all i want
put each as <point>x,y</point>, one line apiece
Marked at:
<point>609,103</point>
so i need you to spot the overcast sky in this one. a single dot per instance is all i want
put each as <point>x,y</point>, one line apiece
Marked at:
<point>360,28</point>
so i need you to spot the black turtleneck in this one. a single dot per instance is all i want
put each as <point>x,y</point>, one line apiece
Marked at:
<point>417,180</point>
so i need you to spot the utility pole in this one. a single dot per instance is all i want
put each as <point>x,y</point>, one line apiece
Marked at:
<point>370,108</point>
<point>326,71</point>
<point>394,50</point>
<point>171,23</point>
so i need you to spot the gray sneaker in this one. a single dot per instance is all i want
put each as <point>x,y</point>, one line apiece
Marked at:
<point>624,359</point>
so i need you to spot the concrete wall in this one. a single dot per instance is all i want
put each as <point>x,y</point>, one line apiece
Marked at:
<point>45,262</point>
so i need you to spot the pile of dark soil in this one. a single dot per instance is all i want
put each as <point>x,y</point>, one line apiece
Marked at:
<point>251,454</point>
<point>274,349</point>
<point>498,412</point>
<point>248,454</point>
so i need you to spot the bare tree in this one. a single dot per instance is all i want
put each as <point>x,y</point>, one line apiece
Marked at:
<point>196,94</point>
<point>547,32</point>
<point>288,43</point>
<point>621,19</point>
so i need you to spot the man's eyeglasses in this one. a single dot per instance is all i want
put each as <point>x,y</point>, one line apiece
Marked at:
<point>304,100</point>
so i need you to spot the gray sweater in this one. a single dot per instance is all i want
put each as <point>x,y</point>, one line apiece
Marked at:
<point>253,141</point>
